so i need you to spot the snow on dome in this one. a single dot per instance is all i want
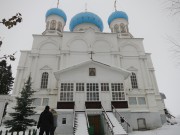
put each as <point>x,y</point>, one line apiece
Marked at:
<point>86,17</point>
<point>56,11</point>
<point>117,14</point>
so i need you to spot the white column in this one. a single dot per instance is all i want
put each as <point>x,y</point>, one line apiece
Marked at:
<point>120,61</point>
<point>145,75</point>
<point>154,82</point>
<point>34,67</point>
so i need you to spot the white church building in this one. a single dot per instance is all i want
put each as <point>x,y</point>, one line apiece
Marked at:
<point>99,83</point>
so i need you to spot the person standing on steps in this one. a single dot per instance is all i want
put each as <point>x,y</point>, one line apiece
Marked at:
<point>55,116</point>
<point>45,122</point>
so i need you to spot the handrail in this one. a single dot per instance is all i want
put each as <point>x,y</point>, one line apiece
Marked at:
<point>121,116</point>
<point>74,115</point>
<point>107,116</point>
<point>108,124</point>
<point>87,121</point>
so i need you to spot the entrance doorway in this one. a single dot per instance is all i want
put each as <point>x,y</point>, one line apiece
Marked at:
<point>141,124</point>
<point>95,123</point>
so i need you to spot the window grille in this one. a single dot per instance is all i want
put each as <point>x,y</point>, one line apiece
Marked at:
<point>92,92</point>
<point>104,86</point>
<point>66,93</point>
<point>134,81</point>
<point>79,86</point>
<point>44,80</point>
<point>117,91</point>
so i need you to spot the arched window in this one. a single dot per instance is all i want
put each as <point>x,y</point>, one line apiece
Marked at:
<point>123,28</point>
<point>53,25</point>
<point>134,81</point>
<point>116,28</point>
<point>59,26</point>
<point>44,80</point>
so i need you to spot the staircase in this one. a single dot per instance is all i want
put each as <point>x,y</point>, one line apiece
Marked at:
<point>170,118</point>
<point>80,125</point>
<point>117,129</point>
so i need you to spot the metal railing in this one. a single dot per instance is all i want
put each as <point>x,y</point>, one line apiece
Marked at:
<point>27,132</point>
<point>74,115</point>
<point>110,124</point>
<point>87,121</point>
<point>121,117</point>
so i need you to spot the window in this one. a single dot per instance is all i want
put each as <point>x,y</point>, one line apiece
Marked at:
<point>53,25</point>
<point>66,93</point>
<point>44,80</point>
<point>104,86</point>
<point>36,102</point>
<point>132,101</point>
<point>59,26</point>
<point>141,101</point>
<point>63,120</point>
<point>45,101</point>
<point>116,28</point>
<point>134,81</point>
<point>92,92</point>
<point>79,86</point>
<point>92,72</point>
<point>40,102</point>
<point>117,91</point>
<point>123,29</point>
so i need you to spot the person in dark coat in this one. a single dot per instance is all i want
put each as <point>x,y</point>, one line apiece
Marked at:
<point>45,122</point>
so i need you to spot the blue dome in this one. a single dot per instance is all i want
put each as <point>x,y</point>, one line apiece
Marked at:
<point>117,14</point>
<point>56,11</point>
<point>86,17</point>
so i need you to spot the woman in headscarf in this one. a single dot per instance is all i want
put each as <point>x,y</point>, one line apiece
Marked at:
<point>55,116</point>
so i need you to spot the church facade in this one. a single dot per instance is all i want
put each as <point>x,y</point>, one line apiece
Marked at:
<point>97,82</point>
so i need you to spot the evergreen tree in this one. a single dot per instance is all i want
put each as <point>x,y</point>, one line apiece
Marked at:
<point>6,79</point>
<point>23,110</point>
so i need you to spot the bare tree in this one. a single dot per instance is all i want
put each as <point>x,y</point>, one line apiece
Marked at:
<point>173,7</point>
<point>175,49</point>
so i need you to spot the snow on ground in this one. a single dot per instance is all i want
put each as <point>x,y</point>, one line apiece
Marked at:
<point>164,130</point>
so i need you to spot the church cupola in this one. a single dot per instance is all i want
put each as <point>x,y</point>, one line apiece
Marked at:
<point>84,21</point>
<point>55,20</point>
<point>118,22</point>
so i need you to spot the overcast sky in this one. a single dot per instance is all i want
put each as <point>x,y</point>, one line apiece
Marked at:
<point>148,19</point>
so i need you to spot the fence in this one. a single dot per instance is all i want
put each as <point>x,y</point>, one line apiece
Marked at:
<point>27,132</point>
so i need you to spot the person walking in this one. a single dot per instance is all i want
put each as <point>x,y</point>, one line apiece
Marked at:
<point>55,116</point>
<point>45,122</point>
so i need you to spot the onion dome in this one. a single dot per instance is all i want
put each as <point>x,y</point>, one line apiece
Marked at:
<point>116,15</point>
<point>56,11</point>
<point>86,17</point>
